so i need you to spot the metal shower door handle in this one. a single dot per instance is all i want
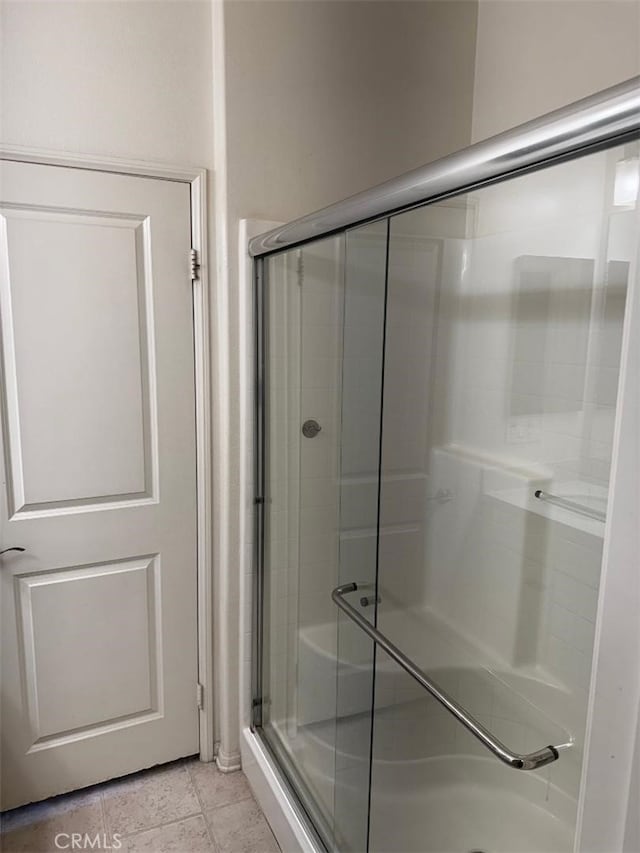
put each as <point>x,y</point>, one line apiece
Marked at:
<point>530,761</point>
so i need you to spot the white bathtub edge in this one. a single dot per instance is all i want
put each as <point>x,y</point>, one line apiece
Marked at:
<point>290,831</point>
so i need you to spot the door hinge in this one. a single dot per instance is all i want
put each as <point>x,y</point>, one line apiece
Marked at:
<point>195,265</point>
<point>199,696</point>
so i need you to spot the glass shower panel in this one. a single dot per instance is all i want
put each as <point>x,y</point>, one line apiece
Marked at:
<point>324,334</point>
<point>303,302</point>
<point>503,334</point>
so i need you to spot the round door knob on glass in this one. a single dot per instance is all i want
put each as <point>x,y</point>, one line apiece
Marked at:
<point>310,429</point>
<point>15,548</point>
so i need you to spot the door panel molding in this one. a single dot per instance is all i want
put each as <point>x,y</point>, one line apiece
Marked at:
<point>197,179</point>
<point>114,706</point>
<point>124,477</point>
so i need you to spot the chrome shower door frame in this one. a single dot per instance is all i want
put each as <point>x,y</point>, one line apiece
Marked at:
<point>599,122</point>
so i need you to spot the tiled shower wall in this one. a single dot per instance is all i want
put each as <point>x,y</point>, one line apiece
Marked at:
<point>535,365</point>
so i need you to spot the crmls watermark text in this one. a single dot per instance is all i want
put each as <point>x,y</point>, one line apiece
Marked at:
<point>84,841</point>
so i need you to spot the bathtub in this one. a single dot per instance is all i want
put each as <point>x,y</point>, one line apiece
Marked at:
<point>433,794</point>
<point>435,788</point>
<point>466,803</point>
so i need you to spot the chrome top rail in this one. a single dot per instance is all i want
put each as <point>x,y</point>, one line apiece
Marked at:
<point>530,761</point>
<point>598,121</point>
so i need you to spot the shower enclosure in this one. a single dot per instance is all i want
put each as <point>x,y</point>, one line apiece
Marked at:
<point>437,374</point>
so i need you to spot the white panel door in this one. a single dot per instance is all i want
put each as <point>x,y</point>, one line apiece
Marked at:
<point>99,661</point>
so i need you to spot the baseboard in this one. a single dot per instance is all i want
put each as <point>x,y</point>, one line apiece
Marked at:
<point>228,763</point>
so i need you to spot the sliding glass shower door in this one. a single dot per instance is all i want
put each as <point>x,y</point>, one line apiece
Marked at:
<point>504,326</point>
<point>438,407</point>
<point>322,350</point>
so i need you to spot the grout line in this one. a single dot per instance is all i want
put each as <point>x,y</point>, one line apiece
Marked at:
<point>162,825</point>
<point>105,819</point>
<point>208,829</point>
<point>235,802</point>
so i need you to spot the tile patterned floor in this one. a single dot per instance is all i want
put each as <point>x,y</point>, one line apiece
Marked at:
<point>184,807</point>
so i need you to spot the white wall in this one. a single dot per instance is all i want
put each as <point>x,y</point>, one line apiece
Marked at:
<point>126,79</point>
<point>532,56</point>
<point>327,98</point>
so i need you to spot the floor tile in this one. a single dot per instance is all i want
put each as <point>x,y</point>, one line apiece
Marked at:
<point>218,789</point>
<point>149,799</point>
<point>184,836</point>
<point>155,811</point>
<point>33,828</point>
<point>241,828</point>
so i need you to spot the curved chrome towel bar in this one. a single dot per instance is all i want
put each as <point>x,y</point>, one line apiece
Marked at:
<point>531,761</point>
